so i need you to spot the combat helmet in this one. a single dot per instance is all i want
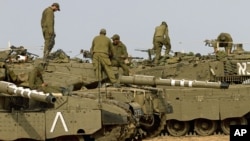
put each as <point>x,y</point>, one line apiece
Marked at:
<point>115,37</point>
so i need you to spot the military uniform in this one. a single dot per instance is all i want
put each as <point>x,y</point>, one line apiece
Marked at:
<point>47,24</point>
<point>101,50</point>
<point>36,81</point>
<point>120,54</point>
<point>161,38</point>
<point>225,40</point>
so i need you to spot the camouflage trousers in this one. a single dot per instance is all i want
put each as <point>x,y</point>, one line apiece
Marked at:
<point>102,62</point>
<point>118,63</point>
<point>158,44</point>
<point>49,42</point>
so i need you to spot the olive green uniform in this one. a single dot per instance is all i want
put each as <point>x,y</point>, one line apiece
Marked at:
<point>36,81</point>
<point>120,53</point>
<point>161,38</point>
<point>101,50</point>
<point>47,23</point>
<point>225,40</point>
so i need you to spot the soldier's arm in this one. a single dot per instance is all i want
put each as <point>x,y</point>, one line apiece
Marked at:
<point>125,52</point>
<point>92,47</point>
<point>154,36</point>
<point>167,39</point>
<point>32,78</point>
<point>230,40</point>
<point>111,51</point>
<point>50,22</point>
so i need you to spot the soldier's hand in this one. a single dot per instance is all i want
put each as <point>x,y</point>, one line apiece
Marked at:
<point>51,33</point>
<point>44,85</point>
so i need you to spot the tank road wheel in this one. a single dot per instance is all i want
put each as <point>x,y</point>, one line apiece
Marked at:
<point>177,128</point>
<point>70,138</point>
<point>225,124</point>
<point>205,127</point>
<point>154,126</point>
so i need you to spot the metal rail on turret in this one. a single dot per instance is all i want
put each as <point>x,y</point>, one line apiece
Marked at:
<point>11,89</point>
<point>154,81</point>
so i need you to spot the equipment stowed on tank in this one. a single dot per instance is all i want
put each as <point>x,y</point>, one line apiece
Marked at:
<point>138,109</point>
<point>201,110</point>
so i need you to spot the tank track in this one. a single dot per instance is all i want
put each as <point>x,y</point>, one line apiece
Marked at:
<point>215,137</point>
<point>160,128</point>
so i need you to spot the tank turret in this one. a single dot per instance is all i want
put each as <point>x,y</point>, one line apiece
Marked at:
<point>191,105</point>
<point>12,89</point>
<point>154,81</point>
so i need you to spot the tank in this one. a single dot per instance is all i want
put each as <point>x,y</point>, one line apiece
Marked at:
<point>204,111</point>
<point>29,114</point>
<point>93,110</point>
<point>35,115</point>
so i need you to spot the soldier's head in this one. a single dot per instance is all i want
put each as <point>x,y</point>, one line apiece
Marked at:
<point>116,39</point>
<point>103,31</point>
<point>55,6</point>
<point>222,38</point>
<point>164,23</point>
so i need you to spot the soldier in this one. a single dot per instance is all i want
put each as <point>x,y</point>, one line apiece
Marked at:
<point>36,82</point>
<point>47,24</point>
<point>225,40</point>
<point>161,38</point>
<point>101,51</point>
<point>120,54</point>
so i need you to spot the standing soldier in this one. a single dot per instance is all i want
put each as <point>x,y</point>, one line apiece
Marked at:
<point>120,54</point>
<point>101,51</point>
<point>225,40</point>
<point>161,38</point>
<point>47,23</point>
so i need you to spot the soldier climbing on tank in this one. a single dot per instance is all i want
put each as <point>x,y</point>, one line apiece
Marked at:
<point>161,38</point>
<point>120,54</point>
<point>223,40</point>
<point>36,82</point>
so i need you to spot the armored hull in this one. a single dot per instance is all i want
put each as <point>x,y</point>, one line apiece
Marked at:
<point>86,112</point>
<point>205,111</point>
<point>138,109</point>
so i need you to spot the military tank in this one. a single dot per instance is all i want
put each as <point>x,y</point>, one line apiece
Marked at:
<point>131,112</point>
<point>205,111</point>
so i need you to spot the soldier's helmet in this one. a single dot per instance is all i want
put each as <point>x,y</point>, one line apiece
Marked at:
<point>115,37</point>
<point>103,31</point>
<point>222,38</point>
<point>164,23</point>
<point>56,5</point>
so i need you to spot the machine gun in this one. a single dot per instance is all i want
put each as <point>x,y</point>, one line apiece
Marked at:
<point>210,43</point>
<point>19,54</point>
<point>11,89</point>
<point>22,51</point>
<point>149,51</point>
<point>86,53</point>
<point>134,57</point>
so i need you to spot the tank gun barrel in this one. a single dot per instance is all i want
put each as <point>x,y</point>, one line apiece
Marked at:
<point>154,81</point>
<point>12,89</point>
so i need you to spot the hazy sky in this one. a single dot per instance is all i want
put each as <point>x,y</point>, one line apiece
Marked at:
<point>190,23</point>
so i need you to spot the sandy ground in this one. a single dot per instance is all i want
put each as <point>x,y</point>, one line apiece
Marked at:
<point>191,138</point>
